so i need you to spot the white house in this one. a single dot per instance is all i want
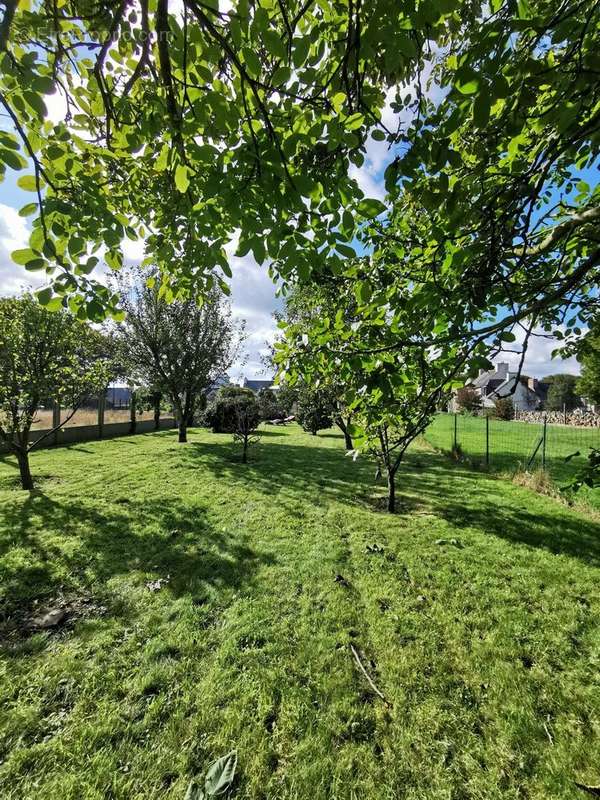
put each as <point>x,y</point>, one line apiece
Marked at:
<point>527,395</point>
<point>257,385</point>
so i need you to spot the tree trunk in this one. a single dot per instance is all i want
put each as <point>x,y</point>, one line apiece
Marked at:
<point>132,418</point>
<point>189,408</point>
<point>348,443</point>
<point>182,429</point>
<point>157,412</point>
<point>26,479</point>
<point>245,451</point>
<point>391,482</point>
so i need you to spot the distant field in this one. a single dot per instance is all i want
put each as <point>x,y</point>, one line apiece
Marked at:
<point>513,444</point>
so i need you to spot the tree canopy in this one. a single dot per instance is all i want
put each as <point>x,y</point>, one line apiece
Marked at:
<point>177,349</point>
<point>44,357</point>
<point>175,114</point>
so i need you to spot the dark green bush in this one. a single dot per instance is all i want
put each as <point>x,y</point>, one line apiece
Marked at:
<point>222,413</point>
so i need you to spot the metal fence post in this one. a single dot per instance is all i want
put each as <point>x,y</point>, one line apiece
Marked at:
<point>487,440</point>
<point>544,443</point>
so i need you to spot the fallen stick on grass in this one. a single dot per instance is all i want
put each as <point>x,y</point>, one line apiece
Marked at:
<point>377,691</point>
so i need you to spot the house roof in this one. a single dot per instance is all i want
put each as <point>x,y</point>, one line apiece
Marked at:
<point>482,380</point>
<point>256,385</point>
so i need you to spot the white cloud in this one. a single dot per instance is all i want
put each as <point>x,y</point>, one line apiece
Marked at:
<point>253,298</point>
<point>538,359</point>
<point>14,235</point>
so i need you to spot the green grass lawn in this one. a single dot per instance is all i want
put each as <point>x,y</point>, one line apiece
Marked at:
<point>512,444</point>
<point>485,644</point>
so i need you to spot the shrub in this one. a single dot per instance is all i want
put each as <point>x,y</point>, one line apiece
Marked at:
<point>246,417</point>
<point>504,408</point>
<point>314,411</point>
<point>269,405</point>
<point>467,399</point>
<point>221,414</point>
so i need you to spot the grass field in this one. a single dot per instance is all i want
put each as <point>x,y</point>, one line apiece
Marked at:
<point>474,611</point>
<point>512,444</point>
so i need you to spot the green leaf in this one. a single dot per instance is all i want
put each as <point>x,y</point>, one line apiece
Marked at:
<point>337,101</point>
<point>370,208</point>
<point>467,80</point>
<point>27,182</point>
<point>274,44</point>
<point>23,256</point>
<point>35,265</point>
<point>220,775</point>
<point>353,122</point>
<point>43,85</point>
<point>161,162</point>
<point>28,210</point>
<point>182,180</point>
<point>54,305</point>
<point>252,62</point>
<point>481,109</point>
<point>363,291</point>
<point>44,295</point>
<point>300,51</point>
<point>36,102</point>
<point>345,250</point>
<point>12,159</point>
<point>194,791</point>
<point>378,135</point>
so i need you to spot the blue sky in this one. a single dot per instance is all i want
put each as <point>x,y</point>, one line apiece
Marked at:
<point>253,293</point>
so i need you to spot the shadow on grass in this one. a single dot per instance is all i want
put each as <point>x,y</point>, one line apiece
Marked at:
<point>160,538</point>
<point>292,475</point>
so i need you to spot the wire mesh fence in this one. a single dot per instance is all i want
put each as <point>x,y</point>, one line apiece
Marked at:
<point>514,445</point>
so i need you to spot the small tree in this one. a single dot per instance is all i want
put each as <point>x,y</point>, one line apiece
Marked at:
<point>314,410</point>
<point>178,348</point>
<point>44,356</point>
<point>467,399</point>
<point>588,385</point>
<point>220,414</point>
<point>246,417</point>
<point>504,408</point>
<point>562,394</point>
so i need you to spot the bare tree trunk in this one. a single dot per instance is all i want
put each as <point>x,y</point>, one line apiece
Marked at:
<point>190,408</point>
<point>182,429</point>
<point>156,412</point>
<point>391,482</point>
<point>132,419</point>
<point>24,470</point>
<point>348,443</point>
<point>245,451</point>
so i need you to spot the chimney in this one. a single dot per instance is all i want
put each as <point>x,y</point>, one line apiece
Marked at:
<point>502,369</point>
<point>533,384</point>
